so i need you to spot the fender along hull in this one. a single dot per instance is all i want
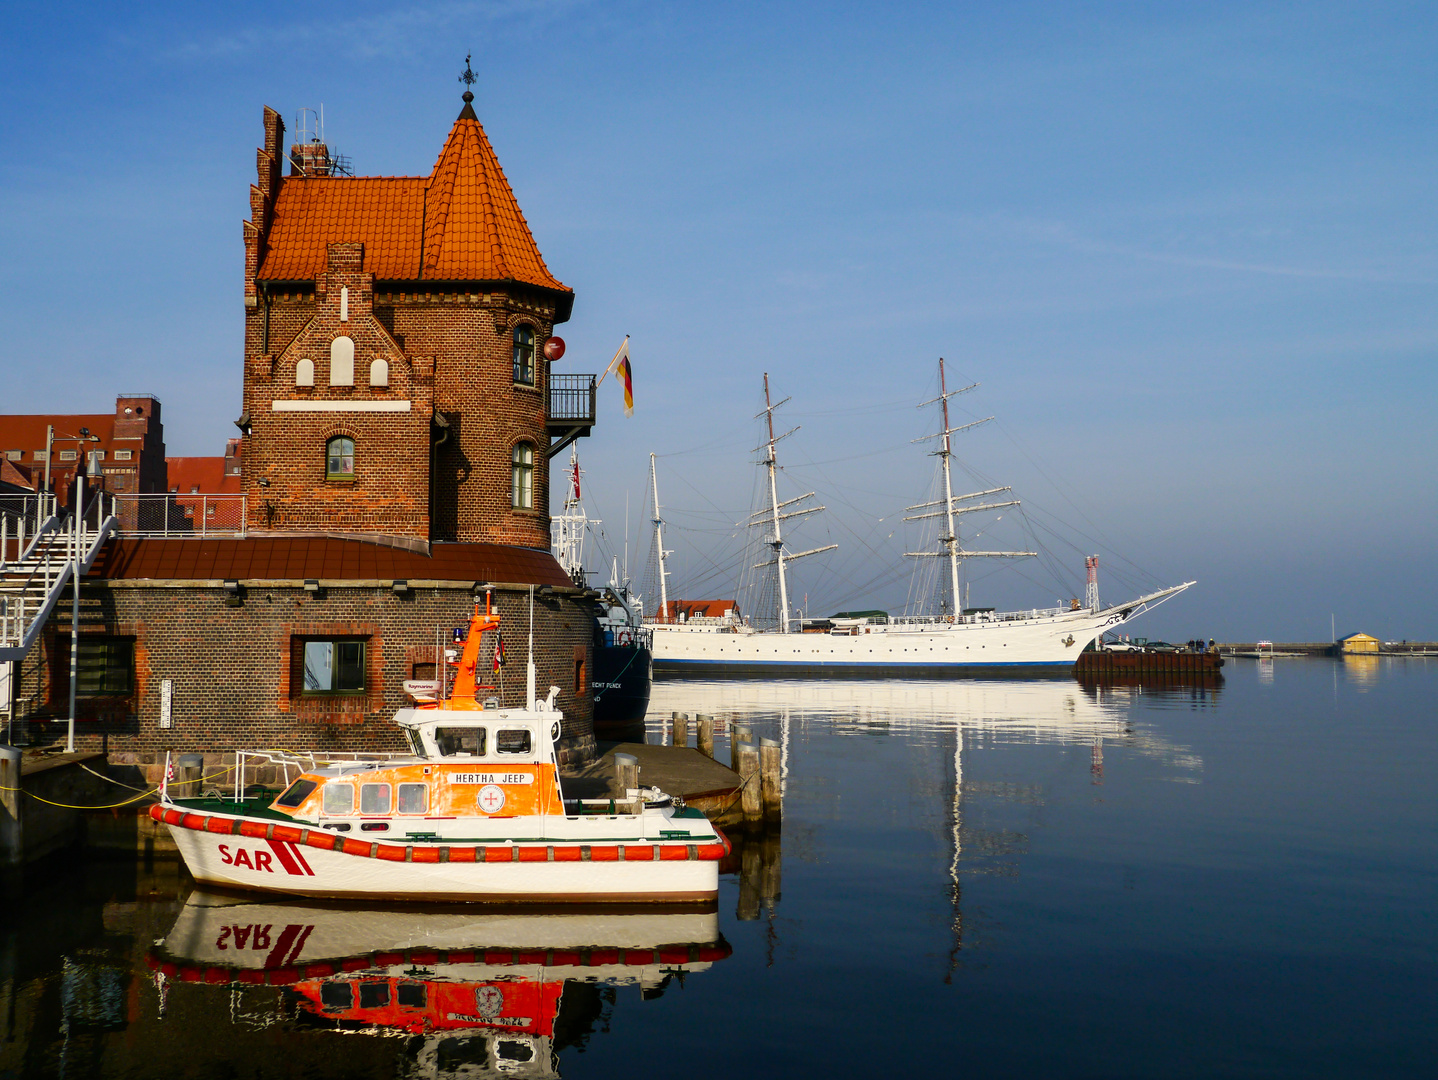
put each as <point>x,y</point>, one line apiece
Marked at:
<point>298,861</point>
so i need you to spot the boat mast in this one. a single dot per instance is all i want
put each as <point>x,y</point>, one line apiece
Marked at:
<point>778,542</point>
<point>659,545</point>
<point>951,534</point>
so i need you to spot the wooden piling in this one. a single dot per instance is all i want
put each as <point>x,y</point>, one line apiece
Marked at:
<point>626,772</point>
<point>681,729</point>
<point>749,781</point>
<point>770,766</point>
<point>12,840</point>
<point>738,733</point>
<point>705,735</point>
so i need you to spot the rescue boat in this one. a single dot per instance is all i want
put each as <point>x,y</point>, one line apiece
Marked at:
<point>475,812</point>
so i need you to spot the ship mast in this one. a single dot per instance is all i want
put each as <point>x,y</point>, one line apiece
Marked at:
<point>773,516</point>
<point>659,546</point>
<point>951,502</point>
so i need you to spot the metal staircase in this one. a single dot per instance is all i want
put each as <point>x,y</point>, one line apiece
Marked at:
<point>35,568</point>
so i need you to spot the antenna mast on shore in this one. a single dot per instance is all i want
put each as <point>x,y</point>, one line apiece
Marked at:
<point>659,546</point>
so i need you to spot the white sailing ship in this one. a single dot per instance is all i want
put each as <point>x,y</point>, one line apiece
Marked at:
<point>965,640</point>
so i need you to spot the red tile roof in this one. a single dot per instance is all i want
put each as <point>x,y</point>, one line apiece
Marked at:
<point>26,431</point>
<point>205,475</point>
<point>301,557</point>
<point>461,223</point>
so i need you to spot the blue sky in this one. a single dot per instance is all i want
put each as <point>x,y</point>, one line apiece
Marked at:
<point>1187,250</point>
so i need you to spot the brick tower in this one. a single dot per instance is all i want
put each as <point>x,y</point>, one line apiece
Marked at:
<point>395,384</point>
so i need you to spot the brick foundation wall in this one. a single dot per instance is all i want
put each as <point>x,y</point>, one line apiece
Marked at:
<point>231,666</point>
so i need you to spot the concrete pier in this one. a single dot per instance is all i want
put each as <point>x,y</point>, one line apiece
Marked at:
<point>42,801</point>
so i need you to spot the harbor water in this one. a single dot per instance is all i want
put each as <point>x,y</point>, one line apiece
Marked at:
<point>992,878</point>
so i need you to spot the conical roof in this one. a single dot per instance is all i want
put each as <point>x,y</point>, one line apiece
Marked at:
<point>461,223</point>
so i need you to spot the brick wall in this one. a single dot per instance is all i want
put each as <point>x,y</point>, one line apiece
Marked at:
<point>231,666</point>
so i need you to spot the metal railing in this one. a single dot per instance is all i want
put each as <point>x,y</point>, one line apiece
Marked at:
<point>572,398</point>
<point>172,514</point>
<point>63,545</point>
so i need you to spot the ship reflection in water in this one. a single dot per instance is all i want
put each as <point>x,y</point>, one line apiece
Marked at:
<point>469,992</point>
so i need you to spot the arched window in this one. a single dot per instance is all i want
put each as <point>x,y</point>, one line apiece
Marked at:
<point>340,459</point>
<point>305,373</point>
<point>379,373</point>
<point>521,485</point>
<point>524,355</point>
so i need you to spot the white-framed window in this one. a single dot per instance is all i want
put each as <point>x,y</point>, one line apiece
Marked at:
<point>331,666</point>
<point>522,477</point>
<point>124,455</point>
<point>339,798</point>
<point>69,455</point>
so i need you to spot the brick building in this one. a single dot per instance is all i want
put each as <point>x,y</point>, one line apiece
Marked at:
<point>396,427</point>
<point>123,452</point>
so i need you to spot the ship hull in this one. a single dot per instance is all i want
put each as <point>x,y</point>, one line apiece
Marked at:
<point>622,678</point>
<point>933,650</point>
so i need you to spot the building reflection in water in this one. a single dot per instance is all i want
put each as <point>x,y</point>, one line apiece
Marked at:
<point>501,991</point>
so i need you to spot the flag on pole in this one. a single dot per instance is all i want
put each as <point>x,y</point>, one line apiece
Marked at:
<point>620,366</point>
<point>499,654</point>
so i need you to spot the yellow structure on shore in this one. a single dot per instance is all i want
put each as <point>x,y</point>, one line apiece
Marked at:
<point>1359,643</point>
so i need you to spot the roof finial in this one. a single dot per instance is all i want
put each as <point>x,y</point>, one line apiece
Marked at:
<point>469,78</point>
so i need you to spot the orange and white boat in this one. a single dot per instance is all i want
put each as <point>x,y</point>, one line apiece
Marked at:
<point>477,812</point>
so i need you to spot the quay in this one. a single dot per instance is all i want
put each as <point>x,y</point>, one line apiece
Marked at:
<point>1139,662</point>
<point>1265,649</point>
<point>40,796</point>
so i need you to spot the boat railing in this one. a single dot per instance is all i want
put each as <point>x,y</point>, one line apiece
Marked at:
<point>971,620</point>
<point>302,761</point>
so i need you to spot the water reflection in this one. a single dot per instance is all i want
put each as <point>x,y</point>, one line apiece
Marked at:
<point>1362,671</point>
<point>466,991</point>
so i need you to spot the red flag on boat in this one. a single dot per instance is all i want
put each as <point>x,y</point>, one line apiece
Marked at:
<point>499,654</point>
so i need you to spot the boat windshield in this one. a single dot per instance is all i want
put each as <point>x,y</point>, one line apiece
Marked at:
<point>460,740</point>
<point>297,793</point>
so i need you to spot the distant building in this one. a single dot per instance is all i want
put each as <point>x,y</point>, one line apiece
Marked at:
<point>1359,644</point>
<point>124,451</point>
<point>684,610</point>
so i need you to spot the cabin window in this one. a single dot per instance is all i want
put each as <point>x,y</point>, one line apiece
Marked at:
<point>412,995</point>
<point>297,793</point>
<point>374,798</point>
<point>340,459</point>
<point>105,666</point>
<point>373,995</point>
<point>333,666</point>
<point>413,798</point>
<point>339,798</point>
<point>512,741</point>
<point>521,485</point>
<point>460,740</point>
<point>336,995</point>
<point>524,355</point>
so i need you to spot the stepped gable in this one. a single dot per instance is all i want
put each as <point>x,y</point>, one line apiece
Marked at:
<point>461,223</point>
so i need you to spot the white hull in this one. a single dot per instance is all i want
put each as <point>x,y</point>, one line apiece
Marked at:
<point>304,862</point>
<point>1043,642</point>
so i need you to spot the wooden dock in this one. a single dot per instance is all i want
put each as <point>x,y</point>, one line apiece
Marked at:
<point>699,780</point>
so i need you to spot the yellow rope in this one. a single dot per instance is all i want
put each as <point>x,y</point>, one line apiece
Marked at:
<point>70,806</point>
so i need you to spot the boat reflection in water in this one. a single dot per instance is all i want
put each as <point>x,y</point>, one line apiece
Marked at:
<point>474,991</point>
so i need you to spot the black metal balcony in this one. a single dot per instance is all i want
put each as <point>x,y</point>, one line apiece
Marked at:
<point>571,409</point>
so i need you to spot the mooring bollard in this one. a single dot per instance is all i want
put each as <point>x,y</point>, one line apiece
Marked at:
<point>769,771</point>
<point>12,838</point>
<point>749,778</point>
<point>738,733</point>
<point>626,772</point>
<point>681,729</point>
<point>705,723</point>
<point>189,771</point>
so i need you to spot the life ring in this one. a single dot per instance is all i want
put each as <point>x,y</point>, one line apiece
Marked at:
<point>624,637</point>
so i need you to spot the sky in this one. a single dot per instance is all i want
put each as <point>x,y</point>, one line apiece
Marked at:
<point>1187,251</point>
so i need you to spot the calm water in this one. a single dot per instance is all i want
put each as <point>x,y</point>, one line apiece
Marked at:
<point>981,878</point>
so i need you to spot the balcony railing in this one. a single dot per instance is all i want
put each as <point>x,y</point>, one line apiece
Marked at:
<point>571,399</point>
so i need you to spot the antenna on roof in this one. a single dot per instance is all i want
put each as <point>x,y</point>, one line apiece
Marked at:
<point>310,155</point>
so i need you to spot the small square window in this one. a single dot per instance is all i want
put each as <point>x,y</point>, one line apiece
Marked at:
<point>14,455</point>
<point>124,455</point>
<point>460,740</point>
<point>104,667</point>
<point>332,667</point>
<point>69,455</point>
<point>513,741</point>
<point>413,798</point>
<point>339,798</point>
<point>374,798</point>
<point>373,995</point>
<point>42,455</point>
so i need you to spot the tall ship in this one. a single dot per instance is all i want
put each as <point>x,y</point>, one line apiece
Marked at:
<point>622,657</point>
<point>961,640</point>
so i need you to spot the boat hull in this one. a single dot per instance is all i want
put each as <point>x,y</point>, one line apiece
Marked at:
<point>1028,646</point>
<point>258,855</point>
<point>622,678</point>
